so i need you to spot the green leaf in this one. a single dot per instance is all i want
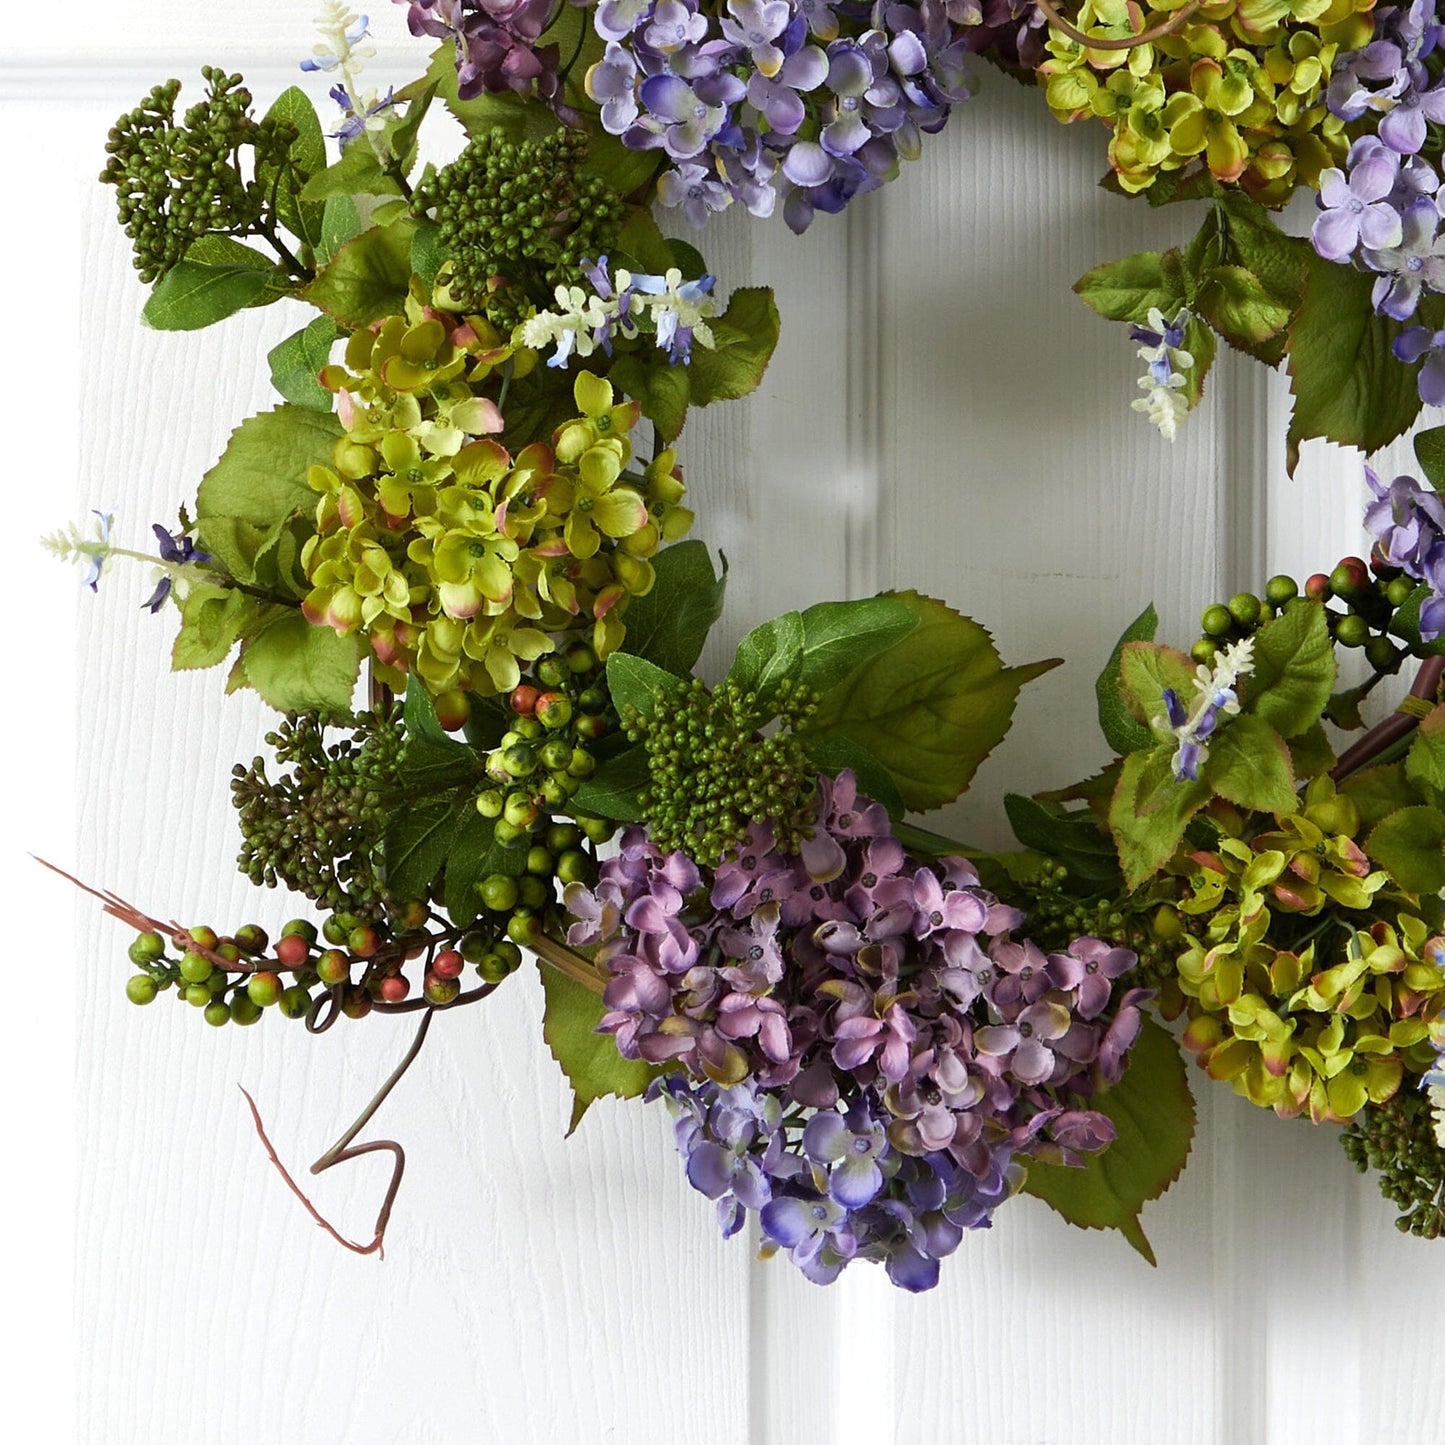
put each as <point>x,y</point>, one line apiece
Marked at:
<point>419,715</point>
<point>1347,384</point>
<point>296,361</point>
<point>669,624</point>
<point>1411,844</point>
<point>615,789</point>
<point>307,157</point>
<point>299,667</point>
<point>259,485</point>
<point>367,278</point>
<point>1073,838</point>
<point>1276,261</point>
<point>837,636</point>
<point>661,389</point>
<point>771,652</point>
<point>1153,1112</point>
<point>931,707</point>
<point>1310,753</point>
<point>340,222</point>
<point>426,252</point>
<point>475,854</point>
<point>191,295</point>
<point>1121,730</point>
<point>213,621</point>
<point>1430,452</point>
<point>357,173</point>
<point>1126,290</point>
<point>1249,763</point>
<point>1150,811</point>
<point>590,1060</point>
<point>1294,669</point>
<point>401,135</point>
<point>832,755</point>
<point>1239,306</point>
<point>1378,792</point>
<point>745,336</point>
<point>417,841</point>
<point>1425,764</point>
<point>688,259</point>
<point>1145,670</point>
<point>1406,624</point>
<point>635,682</point>
<point>641,241</point>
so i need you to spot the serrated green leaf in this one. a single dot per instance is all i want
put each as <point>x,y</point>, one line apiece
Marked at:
<point>1074,839</point>
<point>1150,811</point>
<point>1411,845</point>
<point>1249,763</point>
<point>1425,763</point>
<point>475,854</point>
<point>367,278</point>
<point>1294,669</point>
<point>1122,731</point>
<point>931,707</point>
<point>1240,308</point>
<point>837,636</point>
<point>745,336</point>
<point>417,841</point>
<point>1146,669</point>
<point>669,624</point>
<point>590,1060</point>
<point>357,173</point>
<point>1310,753</point>
<point>1406,624</point>
<point>1153,1113</point>
<point>299,667</point>
<point>615,789</point>
<point>419,715</point>
<point>340,222</point>
<point>831,755</point>
<point>1347,384</point>
<point>661,389</point>
<point>296,361</point>
<point>1430,452</point>
<point>1378,792</point>
<point>213,621</point>
<point>259,484</point>
<point>635,682</point>
<point>426,252</point>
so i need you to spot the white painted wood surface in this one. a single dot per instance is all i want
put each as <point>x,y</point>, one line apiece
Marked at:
<point>943,414</point>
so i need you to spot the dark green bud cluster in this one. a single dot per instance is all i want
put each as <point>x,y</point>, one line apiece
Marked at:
<point>1371,594</point>
<point>177,183</point>
<point>710,773</point>
<point>1397,1139</point>
<point>517,220</point>
<point>318,827</point>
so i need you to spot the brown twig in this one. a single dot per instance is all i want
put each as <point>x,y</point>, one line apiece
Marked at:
<point>1398,725</point>
<point>1093,42</point>
<point>342,1150</point>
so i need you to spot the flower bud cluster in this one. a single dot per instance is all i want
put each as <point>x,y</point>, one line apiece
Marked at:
<point>1299,1016</point>
<point>867,1052</point>
<point>1397,1140</point>
<point>459,562</point>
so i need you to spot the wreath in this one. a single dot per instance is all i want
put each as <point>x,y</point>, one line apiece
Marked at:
<point>469,504</point>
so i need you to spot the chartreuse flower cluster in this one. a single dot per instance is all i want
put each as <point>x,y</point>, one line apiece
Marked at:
<point>456,560</point>
<point>1302,990</point>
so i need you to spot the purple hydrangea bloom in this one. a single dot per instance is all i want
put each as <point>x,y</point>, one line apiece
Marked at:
<point>1407,520</point>
<point>1356,211</point>
<point>1419,343</point>
<point>1414,266</point>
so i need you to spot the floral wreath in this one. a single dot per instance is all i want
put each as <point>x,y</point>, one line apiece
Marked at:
<point>868,1036</point>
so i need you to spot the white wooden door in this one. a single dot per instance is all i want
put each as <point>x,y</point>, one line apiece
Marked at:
<point>942,413</point>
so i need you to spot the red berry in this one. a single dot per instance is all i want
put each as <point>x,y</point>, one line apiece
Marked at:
<point>1318,586</point>
<point>447,964</point>
<point>523,700</point>
<point>363,941</point>
<point>452,710</point>
<point>394,987</point>
<point>292,951</point>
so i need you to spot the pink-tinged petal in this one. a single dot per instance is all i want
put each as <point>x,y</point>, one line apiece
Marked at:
<point>1032,1063</point>
<point>822,856</point>
<point>997,1039</point>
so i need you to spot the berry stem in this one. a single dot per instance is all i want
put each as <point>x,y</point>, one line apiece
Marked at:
<point>1397,726</point>
<point>557,955</point>
<point>1093,42</point>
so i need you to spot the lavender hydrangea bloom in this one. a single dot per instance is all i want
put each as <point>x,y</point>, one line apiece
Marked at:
<point>1356,210</point>
<point>1403,127</point>
<point>1419,343</point>
<point>1407,520</point>
<point>892,1051</point>
<point>1417,264</point>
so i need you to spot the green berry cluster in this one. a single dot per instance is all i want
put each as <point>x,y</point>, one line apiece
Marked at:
<point>359,964</point>
<point>177,183</point>
<point>710,773</point>
<point>517,220</point>
<point>1371,593</point>
<point>1397,1139</point>
<point>317,828</point>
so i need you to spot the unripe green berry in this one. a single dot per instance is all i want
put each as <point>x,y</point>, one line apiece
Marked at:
<point>217,1013</point>
<point>524,927</point>
<point>333,967</point>
<point>244,1010</point>
<point>533,892</point>
<point>141,988</point>
<point>1244,607</point>
<point>148,948</point>
<point>1352,630</point>
<point>1281,589</point>
<point>300,928</point>
<point>195,969</point>
<point>197,995</point>
<point>1204,651</point>
<point>264,988</point>
<point>1216,621</point>
<point>574,866</point>
<point>498,892</point>
<point>490,803</point>
<point>294,1002</point>
<point>204,937</point>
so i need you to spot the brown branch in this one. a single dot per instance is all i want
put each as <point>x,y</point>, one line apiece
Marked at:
<point>343,1150</point>
<point>1398,725</point>
<point>1093,42</point>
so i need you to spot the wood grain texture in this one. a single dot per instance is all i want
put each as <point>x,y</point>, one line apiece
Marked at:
<point>942,413</point>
